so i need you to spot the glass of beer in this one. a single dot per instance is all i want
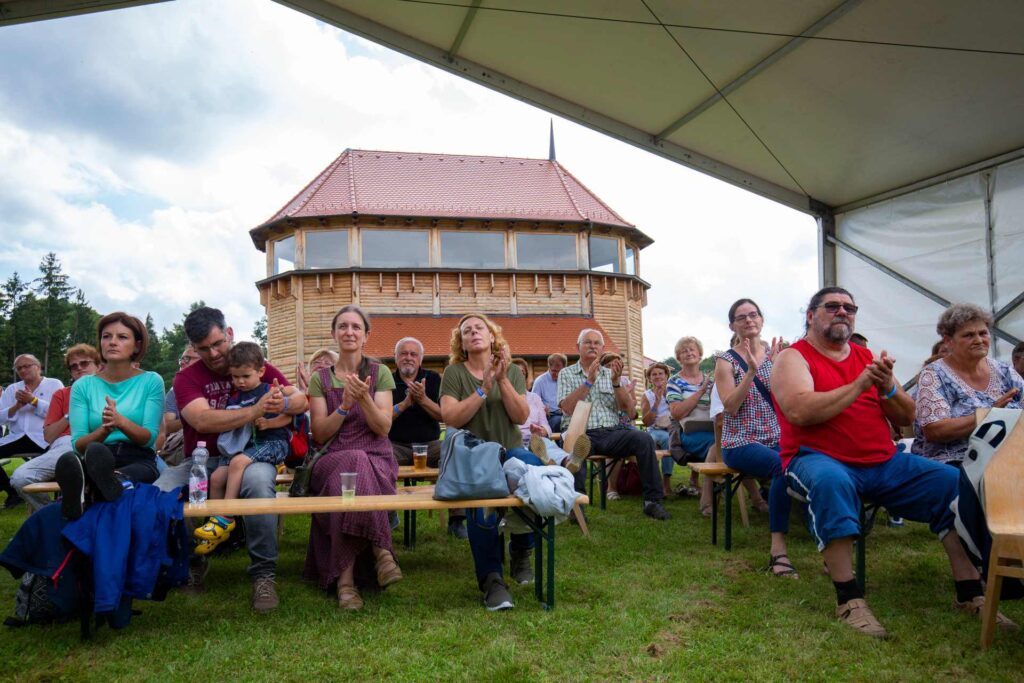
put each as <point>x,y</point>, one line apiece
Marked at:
<point>419,456</point>
<point>348,485</point>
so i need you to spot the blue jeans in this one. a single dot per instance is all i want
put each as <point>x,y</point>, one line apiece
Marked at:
<point>484,539</point>
<point>760,461</point>
<point>907,486</point>
<point>660,437</point>
<point>260,530</point>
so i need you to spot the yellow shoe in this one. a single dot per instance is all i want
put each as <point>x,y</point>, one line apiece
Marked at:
<point>205,547</point>
<point>216,529</point>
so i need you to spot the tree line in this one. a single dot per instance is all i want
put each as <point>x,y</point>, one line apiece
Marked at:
<point>47,315</point>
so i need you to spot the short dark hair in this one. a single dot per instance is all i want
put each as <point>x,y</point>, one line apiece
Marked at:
<point>1018,350</point>
<point>245,354</point>
<point>820,295</point>
<point>200,322</point>
<point>739,302</point>
<point>133,324</point>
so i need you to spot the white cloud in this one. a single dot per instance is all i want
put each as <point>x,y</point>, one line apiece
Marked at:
<point>216,134</point>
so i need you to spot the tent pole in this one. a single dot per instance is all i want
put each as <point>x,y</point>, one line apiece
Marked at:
<point>826,249</point>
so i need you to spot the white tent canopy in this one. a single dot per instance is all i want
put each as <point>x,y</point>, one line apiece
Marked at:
<point>897,124</point>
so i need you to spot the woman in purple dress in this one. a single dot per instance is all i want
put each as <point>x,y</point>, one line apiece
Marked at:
<point>350,407</point>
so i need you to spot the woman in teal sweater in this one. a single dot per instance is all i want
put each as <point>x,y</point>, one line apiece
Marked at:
<point>115,415</point>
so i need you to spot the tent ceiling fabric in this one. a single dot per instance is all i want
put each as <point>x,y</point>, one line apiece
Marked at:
<point>843,120</point>
<point>826,122</point>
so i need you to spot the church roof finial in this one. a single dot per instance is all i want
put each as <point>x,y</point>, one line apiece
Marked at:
<point>551,142</point>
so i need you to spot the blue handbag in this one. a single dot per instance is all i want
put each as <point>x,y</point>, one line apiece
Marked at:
<point>470,468</point>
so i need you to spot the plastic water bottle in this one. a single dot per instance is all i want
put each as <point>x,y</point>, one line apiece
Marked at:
<point>198,482</point>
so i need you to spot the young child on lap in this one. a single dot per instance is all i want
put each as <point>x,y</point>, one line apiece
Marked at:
<point>268,439</point>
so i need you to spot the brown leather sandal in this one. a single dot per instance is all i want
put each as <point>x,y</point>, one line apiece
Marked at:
<point>348,597</point>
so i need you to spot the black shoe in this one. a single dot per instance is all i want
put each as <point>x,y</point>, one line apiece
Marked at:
<point>13,500</point>
<point>655,510</point>
<point>70,478</point>
<point>457,528</point>
<point>99,466</point>
<point>522,566</point>
<point>496,595</point>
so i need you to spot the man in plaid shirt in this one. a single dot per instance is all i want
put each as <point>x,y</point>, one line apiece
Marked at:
<point>586,380</point>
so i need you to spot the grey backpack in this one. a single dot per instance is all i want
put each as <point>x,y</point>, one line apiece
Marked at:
<point>470,468</point>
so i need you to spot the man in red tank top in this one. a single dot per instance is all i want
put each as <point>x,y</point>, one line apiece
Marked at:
<point>835,402</point>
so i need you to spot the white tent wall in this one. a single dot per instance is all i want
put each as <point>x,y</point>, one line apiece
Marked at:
<point>940,238</point>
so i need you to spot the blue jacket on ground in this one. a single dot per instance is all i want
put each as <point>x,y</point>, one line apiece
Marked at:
<point>129,544</point>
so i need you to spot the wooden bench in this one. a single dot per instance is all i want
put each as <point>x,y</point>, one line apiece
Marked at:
<point>600,466</point>
<point>726,479</point>
<point>407,499</point>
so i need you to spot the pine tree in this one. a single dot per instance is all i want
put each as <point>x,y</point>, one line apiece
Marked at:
<point>54,291</point>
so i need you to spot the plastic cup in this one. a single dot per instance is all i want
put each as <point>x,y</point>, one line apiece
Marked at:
<point>348,484</point>
<point>419,456</point>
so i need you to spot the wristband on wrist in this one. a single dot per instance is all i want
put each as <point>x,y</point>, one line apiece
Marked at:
<point>480,392</point>
<point>892,392</point>
<point>341,411</point>
<point>35,400</point>
<point>398,409</point>
<point>285,404</point>
<point>588,385</point>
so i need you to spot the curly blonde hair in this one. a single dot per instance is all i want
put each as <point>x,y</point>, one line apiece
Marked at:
<point>457,354</point>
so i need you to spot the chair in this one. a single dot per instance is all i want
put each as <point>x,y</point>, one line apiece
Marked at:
<point>1004,512</point>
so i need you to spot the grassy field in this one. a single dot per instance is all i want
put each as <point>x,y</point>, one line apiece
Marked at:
<point>639,600</point>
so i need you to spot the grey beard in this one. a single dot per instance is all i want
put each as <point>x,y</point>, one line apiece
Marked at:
<point>837,334</point>
<point>406,373</point>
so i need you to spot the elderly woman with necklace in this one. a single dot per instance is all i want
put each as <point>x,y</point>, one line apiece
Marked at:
<point>951,388</point>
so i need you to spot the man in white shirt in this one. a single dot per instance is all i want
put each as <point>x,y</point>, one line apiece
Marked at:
<point>23,408</point>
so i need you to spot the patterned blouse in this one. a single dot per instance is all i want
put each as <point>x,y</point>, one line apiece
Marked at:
<point>755,421</point>
<point>943,394</point>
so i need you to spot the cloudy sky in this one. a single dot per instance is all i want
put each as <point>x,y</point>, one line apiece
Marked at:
<point>142,145</point>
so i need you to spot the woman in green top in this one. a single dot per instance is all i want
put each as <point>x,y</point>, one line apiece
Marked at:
<point>482,392</point>
<point>350,410</point>
<point>115,416</point>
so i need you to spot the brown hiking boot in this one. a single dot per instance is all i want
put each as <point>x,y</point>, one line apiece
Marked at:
<point>540,449</point>
<point>974,607</point>
<point>857,614</point>
<point>580,453</point>
<point>264,595</point>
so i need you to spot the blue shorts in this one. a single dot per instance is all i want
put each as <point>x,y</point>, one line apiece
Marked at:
<point>273,452</point>
<point>908,486</point>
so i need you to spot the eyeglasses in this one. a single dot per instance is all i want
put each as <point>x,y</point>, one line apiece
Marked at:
<point>215,346</point>
<point>833,307</point>
<point>24,366</point>
<point>753,315</point>
<point>188,359</point>
<point>80,365</point>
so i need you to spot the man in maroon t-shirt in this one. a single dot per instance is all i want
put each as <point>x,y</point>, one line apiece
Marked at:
<point>834,402</point>
<point>202,392</point>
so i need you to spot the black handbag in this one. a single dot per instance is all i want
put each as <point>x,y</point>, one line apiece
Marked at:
<point>304,472</point>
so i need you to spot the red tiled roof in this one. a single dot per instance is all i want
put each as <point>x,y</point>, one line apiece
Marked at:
<point>448,186</point>
<point>530,335</point>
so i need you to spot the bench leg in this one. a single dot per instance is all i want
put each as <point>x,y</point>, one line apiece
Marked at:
<point>604,483</point>
<point>538,566</point>
<point>993,588</point>
<point>728,511</point>
<point>716,489</point>
<point>550,524</point>
<point>861,562</point>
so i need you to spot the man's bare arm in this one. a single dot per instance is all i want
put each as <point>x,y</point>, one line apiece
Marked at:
<point>793,388</point>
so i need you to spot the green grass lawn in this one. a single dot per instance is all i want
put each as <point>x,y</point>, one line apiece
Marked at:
<point>639,600</point>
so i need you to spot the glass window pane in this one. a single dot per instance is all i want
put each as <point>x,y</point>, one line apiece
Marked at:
<point>546,252</point>
<point>395,249</point>
<point>472,249</point>
<point>284,254</point>
<point>630,260</point>
<point>326,249</point>
<point>604,254</point>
